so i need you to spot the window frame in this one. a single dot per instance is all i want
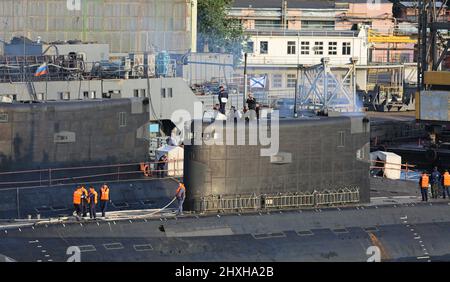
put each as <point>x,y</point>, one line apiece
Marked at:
<point>291,47</point>
<point>277,77</point>
<point>332,48</point>
<point>318,48</point>
<point>291,78</point>
<point>305,47</point>
<point>346,48</point>
<point>266,50</point>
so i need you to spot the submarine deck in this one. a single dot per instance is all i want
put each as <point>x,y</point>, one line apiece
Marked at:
<point>402,227</point>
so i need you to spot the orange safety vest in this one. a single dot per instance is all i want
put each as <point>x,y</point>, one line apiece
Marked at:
<point>446,179</point>
<point>95,196</point>
<point>105,193</point>
<point>425,181</point>
<point>77,197</point>
<point>180,187</point>
<point>145,168</point>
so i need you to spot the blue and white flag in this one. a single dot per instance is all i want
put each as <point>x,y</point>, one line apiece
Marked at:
<point>258,82</point>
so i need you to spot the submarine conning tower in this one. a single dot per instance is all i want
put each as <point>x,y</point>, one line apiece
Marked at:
<point>321,161</point>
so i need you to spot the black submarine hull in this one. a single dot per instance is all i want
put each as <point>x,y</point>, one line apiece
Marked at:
<point>402,232</point>
<point>326,154</point>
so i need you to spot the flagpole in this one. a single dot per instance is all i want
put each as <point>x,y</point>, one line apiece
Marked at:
<point>245,81</point>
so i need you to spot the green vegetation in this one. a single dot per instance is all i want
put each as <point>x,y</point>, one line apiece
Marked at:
<point>217,32</point>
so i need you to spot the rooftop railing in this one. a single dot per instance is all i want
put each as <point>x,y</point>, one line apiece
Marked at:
<point>302,32</point>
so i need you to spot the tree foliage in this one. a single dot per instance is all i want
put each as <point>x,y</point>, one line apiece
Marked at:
<point>217,31</point>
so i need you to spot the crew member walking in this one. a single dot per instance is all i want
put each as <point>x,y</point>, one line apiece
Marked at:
<point>77,201</point>
<point>104,198</point>
<point>423,183</point>
<point>446,184</point>
<point>92,200</point>
<point>181,195</point>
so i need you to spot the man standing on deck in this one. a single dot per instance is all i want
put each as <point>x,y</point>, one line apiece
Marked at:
<point>435,183</point>
<point>161,166</point>
<point>181,195</point>
<point>84,200</point>
<point>77,201</point>
<point>223,99</point>
<point>104,198</point>
<point>424,181</point>
<point>446,184</point>
<point>92,200</point>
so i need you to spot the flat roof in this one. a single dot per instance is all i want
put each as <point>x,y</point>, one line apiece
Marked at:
<point>305,4</point>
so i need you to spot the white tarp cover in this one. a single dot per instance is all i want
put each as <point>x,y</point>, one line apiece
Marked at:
<point>175,155</point>
<point>392,163</point>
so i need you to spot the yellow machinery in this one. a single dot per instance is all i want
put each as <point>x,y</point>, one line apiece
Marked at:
<point>375,37</point>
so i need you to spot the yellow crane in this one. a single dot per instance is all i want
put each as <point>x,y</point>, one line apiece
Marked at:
<point>375,37</point>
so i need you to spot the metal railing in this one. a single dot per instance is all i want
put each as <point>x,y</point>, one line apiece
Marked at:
<point>238,203</point>
<point>299,33</point>
<point>289,201</point>
<point>406,169</point>
<point>343,196</point>
<point>229,203</point>
<point>88,174</point>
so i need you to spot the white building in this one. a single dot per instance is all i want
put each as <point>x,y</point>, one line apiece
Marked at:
<point>276,53</point>
<point>290,48</point>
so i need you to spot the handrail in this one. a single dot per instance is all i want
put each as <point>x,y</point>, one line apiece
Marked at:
<point>46,178</point>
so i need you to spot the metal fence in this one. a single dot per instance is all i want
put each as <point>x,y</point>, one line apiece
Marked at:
<point>229,203</point>
<point>89,174</point>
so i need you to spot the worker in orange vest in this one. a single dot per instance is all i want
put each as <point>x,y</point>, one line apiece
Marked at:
<point>424,182</point>
<point>77,194</point>
<point>84,201</point>
<point>446,184</point>
<point>180,195</point>
<point>104,198</point>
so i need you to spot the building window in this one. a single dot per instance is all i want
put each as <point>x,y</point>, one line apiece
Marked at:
<point>3,117</point>
<point>332,48</point>
<point>40,96</point>
<point>163,92</point>
<point>264,47</point>
<point>136,93</point>
<point>122,119</point>
<point>64,95</point>
<point>318,48</point>
<point>143,93</point>
<point>169,93</point>
<point>291,81</point>
<point>318,25</point>
<point>277,80</point>
<point>93,95</point>
<point>267,24</point>
<point>346,48</point>
<point>85,94</point>
<point>291,46</point>
<point>250,47</point>
<point>304,47</point>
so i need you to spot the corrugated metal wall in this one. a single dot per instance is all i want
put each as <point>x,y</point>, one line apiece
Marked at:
<point>127,25</point>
